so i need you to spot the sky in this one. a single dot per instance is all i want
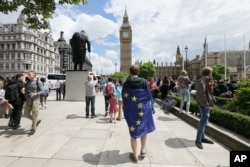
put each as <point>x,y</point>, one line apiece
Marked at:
<point>158,27</point>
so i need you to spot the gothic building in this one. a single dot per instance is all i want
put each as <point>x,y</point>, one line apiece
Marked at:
<point>125,44</point>
<point>23,49</point>
<point>234,61</point>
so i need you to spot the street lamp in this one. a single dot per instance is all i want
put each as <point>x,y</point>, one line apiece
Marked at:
<point>186,50</point>
<point>115,66</point>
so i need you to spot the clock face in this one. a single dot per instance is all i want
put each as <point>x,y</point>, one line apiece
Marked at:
<point>125,34</point>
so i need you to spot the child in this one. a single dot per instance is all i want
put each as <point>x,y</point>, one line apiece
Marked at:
<point>7,106</point>
<point>113,109</point>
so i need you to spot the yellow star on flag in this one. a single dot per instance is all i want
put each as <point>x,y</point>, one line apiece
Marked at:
<point>141,114</point>
<point>134,98</point>
<point>138,122</point>
<point>126,95</point>
<point>139,106</point>
<point>132,129</point>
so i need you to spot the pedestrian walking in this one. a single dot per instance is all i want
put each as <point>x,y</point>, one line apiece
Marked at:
<point>119,98</point>
<point>137,111</point>
<point>58,86</point>
<point>113,107</point>
<point>108,89</point>
<point>90,94</point>
<point>33,90</point>
<point>204,99</point>
<point>44,96</point>
<point>17,104</point>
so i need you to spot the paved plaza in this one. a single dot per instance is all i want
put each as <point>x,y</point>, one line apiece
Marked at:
<point>65,138</point>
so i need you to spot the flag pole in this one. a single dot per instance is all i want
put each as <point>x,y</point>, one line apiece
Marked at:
<point>225,57</point>
<point>244,59</point>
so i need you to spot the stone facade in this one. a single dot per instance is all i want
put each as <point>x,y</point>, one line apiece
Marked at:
<point>125,45</point>
<point>234,61</point>
<point>23,49</point>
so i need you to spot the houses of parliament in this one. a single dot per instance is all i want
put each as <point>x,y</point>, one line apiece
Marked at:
<point>234,59</point>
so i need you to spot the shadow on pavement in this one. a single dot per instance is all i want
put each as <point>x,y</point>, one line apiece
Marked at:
<point>106,158</point>
<point>179,143</point>
<point>167,119</point>
<point>8,132</point>
<point>74,116</point>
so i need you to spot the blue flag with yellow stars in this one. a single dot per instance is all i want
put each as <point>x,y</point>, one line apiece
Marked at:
<point>138,111</point>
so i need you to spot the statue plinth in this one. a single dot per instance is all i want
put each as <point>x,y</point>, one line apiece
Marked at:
<point>75,85</point>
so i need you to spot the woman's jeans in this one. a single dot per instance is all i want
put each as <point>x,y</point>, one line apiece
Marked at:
<point>205,114</point>
<point>185,94</point>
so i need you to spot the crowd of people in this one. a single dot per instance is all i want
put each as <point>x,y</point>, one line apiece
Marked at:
<point>23,94</point>
<point>131,99</point>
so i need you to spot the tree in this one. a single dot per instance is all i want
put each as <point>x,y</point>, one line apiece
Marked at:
<point>241,102</point>
<point>147,70</point>
<point>37,11</point>
<point>219,71</point>
<point>119,75</point>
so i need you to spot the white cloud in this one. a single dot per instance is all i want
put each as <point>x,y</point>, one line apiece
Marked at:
<point>158,28</point>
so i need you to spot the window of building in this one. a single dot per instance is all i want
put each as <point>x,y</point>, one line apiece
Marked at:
<point>12,67</point>
<point>1,56</point>
<point>2,46</point>
<point>18,56</point>
<point>7,66</point>
<point>7,57</point>
<point>18,66</point>
<point>13,56</point>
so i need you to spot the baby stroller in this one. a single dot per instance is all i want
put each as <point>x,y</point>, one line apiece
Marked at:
<point>168,104</point>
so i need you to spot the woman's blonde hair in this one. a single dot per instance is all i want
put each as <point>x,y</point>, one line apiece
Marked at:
<point>184,73</point>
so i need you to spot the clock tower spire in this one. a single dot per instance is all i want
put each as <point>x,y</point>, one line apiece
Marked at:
<point>125,44</point>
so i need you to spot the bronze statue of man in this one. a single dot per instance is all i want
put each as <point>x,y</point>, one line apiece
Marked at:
<point>78,44</point>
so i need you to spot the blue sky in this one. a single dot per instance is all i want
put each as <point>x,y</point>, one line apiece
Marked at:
<point>158,28</point>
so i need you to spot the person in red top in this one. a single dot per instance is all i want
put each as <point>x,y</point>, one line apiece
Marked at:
<point>113,109</point>
<point>153,88</point>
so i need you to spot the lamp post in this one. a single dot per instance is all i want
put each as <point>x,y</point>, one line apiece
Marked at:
<point>186,50</point>
<point>115,66</point>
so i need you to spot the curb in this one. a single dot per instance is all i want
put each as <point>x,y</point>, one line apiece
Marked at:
<point>227,138</point>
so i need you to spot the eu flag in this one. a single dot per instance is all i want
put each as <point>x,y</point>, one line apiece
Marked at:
<point>138,111</point>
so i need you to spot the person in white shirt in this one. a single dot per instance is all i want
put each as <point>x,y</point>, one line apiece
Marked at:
<point>58,90</point>
<point>90,94</point>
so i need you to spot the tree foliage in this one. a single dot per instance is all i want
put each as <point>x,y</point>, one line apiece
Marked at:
<point>147,70</point>
<point>219,71</point>
<point>119,76</point>
<point>241,103</point>
<point>37,11</point>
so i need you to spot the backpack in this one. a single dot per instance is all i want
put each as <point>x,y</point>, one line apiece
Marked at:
<point>11,91</point>
<point>108,89</point>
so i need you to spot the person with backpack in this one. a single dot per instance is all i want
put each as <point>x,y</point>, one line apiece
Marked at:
<point>33,90</point>
<point>18,102</point>
<point>183,83</point>
<point>108,89</point>
<point>44,96</point>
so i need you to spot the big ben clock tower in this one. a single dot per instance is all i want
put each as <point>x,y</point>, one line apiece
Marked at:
<point>125,45</point>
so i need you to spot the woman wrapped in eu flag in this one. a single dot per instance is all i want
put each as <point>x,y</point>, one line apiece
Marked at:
<point>137,111</point>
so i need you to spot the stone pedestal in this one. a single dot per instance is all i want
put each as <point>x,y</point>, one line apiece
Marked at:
<point>75,85</point>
